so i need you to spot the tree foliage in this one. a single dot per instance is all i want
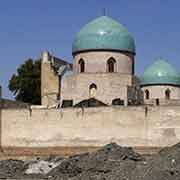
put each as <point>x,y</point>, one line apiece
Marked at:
<point>26,83</point>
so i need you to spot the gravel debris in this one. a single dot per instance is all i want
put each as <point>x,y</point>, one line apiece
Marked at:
<point>112,162</point>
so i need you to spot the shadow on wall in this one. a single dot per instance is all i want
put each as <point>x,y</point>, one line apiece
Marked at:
<point>91,102</point>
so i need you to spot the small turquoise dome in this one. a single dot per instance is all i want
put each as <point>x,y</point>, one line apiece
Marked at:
<point>160,72</point>
<point>103,33</point>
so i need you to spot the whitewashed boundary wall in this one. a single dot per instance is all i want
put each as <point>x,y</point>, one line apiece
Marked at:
<point>128,126</point>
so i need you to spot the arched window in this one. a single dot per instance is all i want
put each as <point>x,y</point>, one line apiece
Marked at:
<point>92,90</point>
<point>167,94</point>
<point>146,94</point>
<point>111,65</point>
<point>81,66</point>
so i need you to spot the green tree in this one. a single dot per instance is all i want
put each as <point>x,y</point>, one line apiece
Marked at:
<point>26,83</point>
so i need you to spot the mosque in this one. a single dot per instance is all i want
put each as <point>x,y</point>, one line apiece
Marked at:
<point>142,112</point>
<point>103,69</point>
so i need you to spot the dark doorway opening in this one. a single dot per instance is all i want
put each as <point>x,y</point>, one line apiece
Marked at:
<point>167,94</point>
<point>146,94</point>
<point>157,102</point>
<point>111,65</point>
<point>81,66</point>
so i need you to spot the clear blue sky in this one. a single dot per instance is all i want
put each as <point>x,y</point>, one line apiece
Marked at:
<point>28,27</point>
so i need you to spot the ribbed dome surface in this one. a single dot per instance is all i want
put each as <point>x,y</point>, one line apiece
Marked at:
<point>160,72</point>
<point>103,33</point>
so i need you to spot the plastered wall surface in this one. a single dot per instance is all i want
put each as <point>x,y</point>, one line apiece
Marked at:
<point>158,91</point>
<point>128,126</point>
<point>114,85</point>
<point>97,62</point>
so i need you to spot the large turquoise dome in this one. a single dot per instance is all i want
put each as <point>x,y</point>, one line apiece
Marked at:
<point>160,72</point>
<point>103,33</point>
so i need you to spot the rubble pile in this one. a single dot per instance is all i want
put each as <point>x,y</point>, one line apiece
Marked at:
<point>112,162</point>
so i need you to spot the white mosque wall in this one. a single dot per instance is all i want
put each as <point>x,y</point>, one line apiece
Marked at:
<point>96,62</point>
<point>159,92</point>
<point>109,86</point>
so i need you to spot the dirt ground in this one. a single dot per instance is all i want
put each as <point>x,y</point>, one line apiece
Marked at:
<point>112,162</point>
